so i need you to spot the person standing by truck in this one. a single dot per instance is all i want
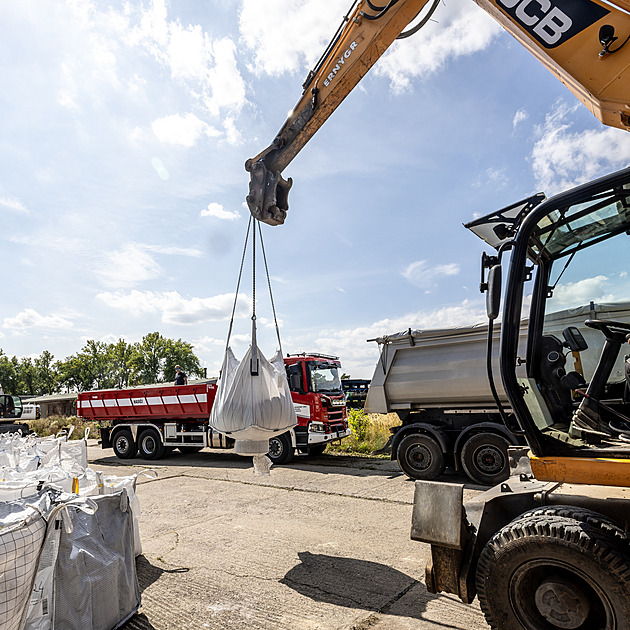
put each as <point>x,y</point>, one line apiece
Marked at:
<point>181,378</point>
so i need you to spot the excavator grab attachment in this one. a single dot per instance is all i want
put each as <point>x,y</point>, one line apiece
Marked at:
<point>268,199</point>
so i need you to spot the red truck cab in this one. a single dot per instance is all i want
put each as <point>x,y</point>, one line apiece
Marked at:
<point>319,401</point>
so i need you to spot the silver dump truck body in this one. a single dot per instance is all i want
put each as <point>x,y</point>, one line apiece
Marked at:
<point>446,368</point>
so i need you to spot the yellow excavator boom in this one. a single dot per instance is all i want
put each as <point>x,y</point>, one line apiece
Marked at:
<point>582,42</point>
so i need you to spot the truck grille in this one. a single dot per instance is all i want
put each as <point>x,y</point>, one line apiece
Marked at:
<point>335,415</point>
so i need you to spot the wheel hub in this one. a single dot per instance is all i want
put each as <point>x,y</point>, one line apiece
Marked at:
<point>562,603</point>
<point>123,443</point>
<point>489,460</point>
<point>420,457</point>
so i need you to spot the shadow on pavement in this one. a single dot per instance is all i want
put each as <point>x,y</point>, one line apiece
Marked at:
<point>147,575</point>
<point>322,464</point>
<point>342,464</point>
<point>353,583</point>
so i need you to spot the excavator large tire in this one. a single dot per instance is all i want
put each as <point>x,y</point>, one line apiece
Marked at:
<point>544,572</point>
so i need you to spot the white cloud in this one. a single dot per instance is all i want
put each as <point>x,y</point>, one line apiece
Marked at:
<point>597,289</point>
<point>173,251</point>
<point>359,357</point>
<point>206,66</point>
<point>457,29</point>
<point>219,212</point>
<point>134,264</point>
<point>520,116</point>
<point>420,274</point>
<point>30,318</point>
<point>182,130</point>
<point>232,134</point>
<point>127,267</point>
<point>13,204</point>
<point>497,176</point>
<point>176,309</point>
<point>306,26</point>
<point>562,158</point>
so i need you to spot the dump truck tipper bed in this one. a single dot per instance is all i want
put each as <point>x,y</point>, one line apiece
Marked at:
<point>437,382</point>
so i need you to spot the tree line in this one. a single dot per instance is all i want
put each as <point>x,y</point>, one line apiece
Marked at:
<point>100,365</point>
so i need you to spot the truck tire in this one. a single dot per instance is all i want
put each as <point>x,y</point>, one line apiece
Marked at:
<point>549,572</point>
<point>124,445</point>
<point>420,457</point>
<point>582,515</point>
<point>280,449</point>
<point>150,444</point>
<point>485,458</point>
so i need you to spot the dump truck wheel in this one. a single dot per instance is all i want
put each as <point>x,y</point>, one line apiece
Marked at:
<point>124,445</point>
<point>548,572</point>
<point>150,445</point>
<point>485,458</point>
<point>280,449</point>
<point>420,457</point>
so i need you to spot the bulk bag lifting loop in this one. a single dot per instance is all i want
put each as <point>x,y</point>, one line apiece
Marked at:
<point>253,401</point>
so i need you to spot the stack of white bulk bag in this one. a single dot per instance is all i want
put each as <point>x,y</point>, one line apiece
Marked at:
<point>53,510</point>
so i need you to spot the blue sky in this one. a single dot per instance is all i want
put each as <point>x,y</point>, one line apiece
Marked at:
<point>125,127</point>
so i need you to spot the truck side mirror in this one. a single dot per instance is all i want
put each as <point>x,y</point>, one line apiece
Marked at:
<point>493,296</point>
<point>574,340</point>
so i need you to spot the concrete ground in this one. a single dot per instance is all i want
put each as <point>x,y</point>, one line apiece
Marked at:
<point>322,543</point>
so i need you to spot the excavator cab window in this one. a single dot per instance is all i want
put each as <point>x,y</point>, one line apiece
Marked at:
<point>579,317</point>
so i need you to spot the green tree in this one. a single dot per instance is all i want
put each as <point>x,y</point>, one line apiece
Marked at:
<point>8,374</point>
<point>180,353</point>
<point>27,376</point>
<point>147,357</point>
<point>120,354</point>
<point>88,369</point>
<point>47,378</point>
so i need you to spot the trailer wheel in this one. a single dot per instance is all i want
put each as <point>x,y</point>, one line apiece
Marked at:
<point>150,445</point>
<point>420,457</point>
<point>124,445</point>
<point>485,458</point>
<point>545,573</point>
<point>280,449</point>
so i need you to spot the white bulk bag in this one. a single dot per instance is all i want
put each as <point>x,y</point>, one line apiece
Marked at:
<point>251,408</point>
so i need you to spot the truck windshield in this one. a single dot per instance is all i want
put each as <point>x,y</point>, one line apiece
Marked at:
<point>325,378</point>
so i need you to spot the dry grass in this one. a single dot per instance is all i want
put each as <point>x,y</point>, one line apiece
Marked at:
<point>370,432</point>
<point>54,424</point>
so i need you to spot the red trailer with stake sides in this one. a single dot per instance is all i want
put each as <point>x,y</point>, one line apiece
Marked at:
<point>152,420</point>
